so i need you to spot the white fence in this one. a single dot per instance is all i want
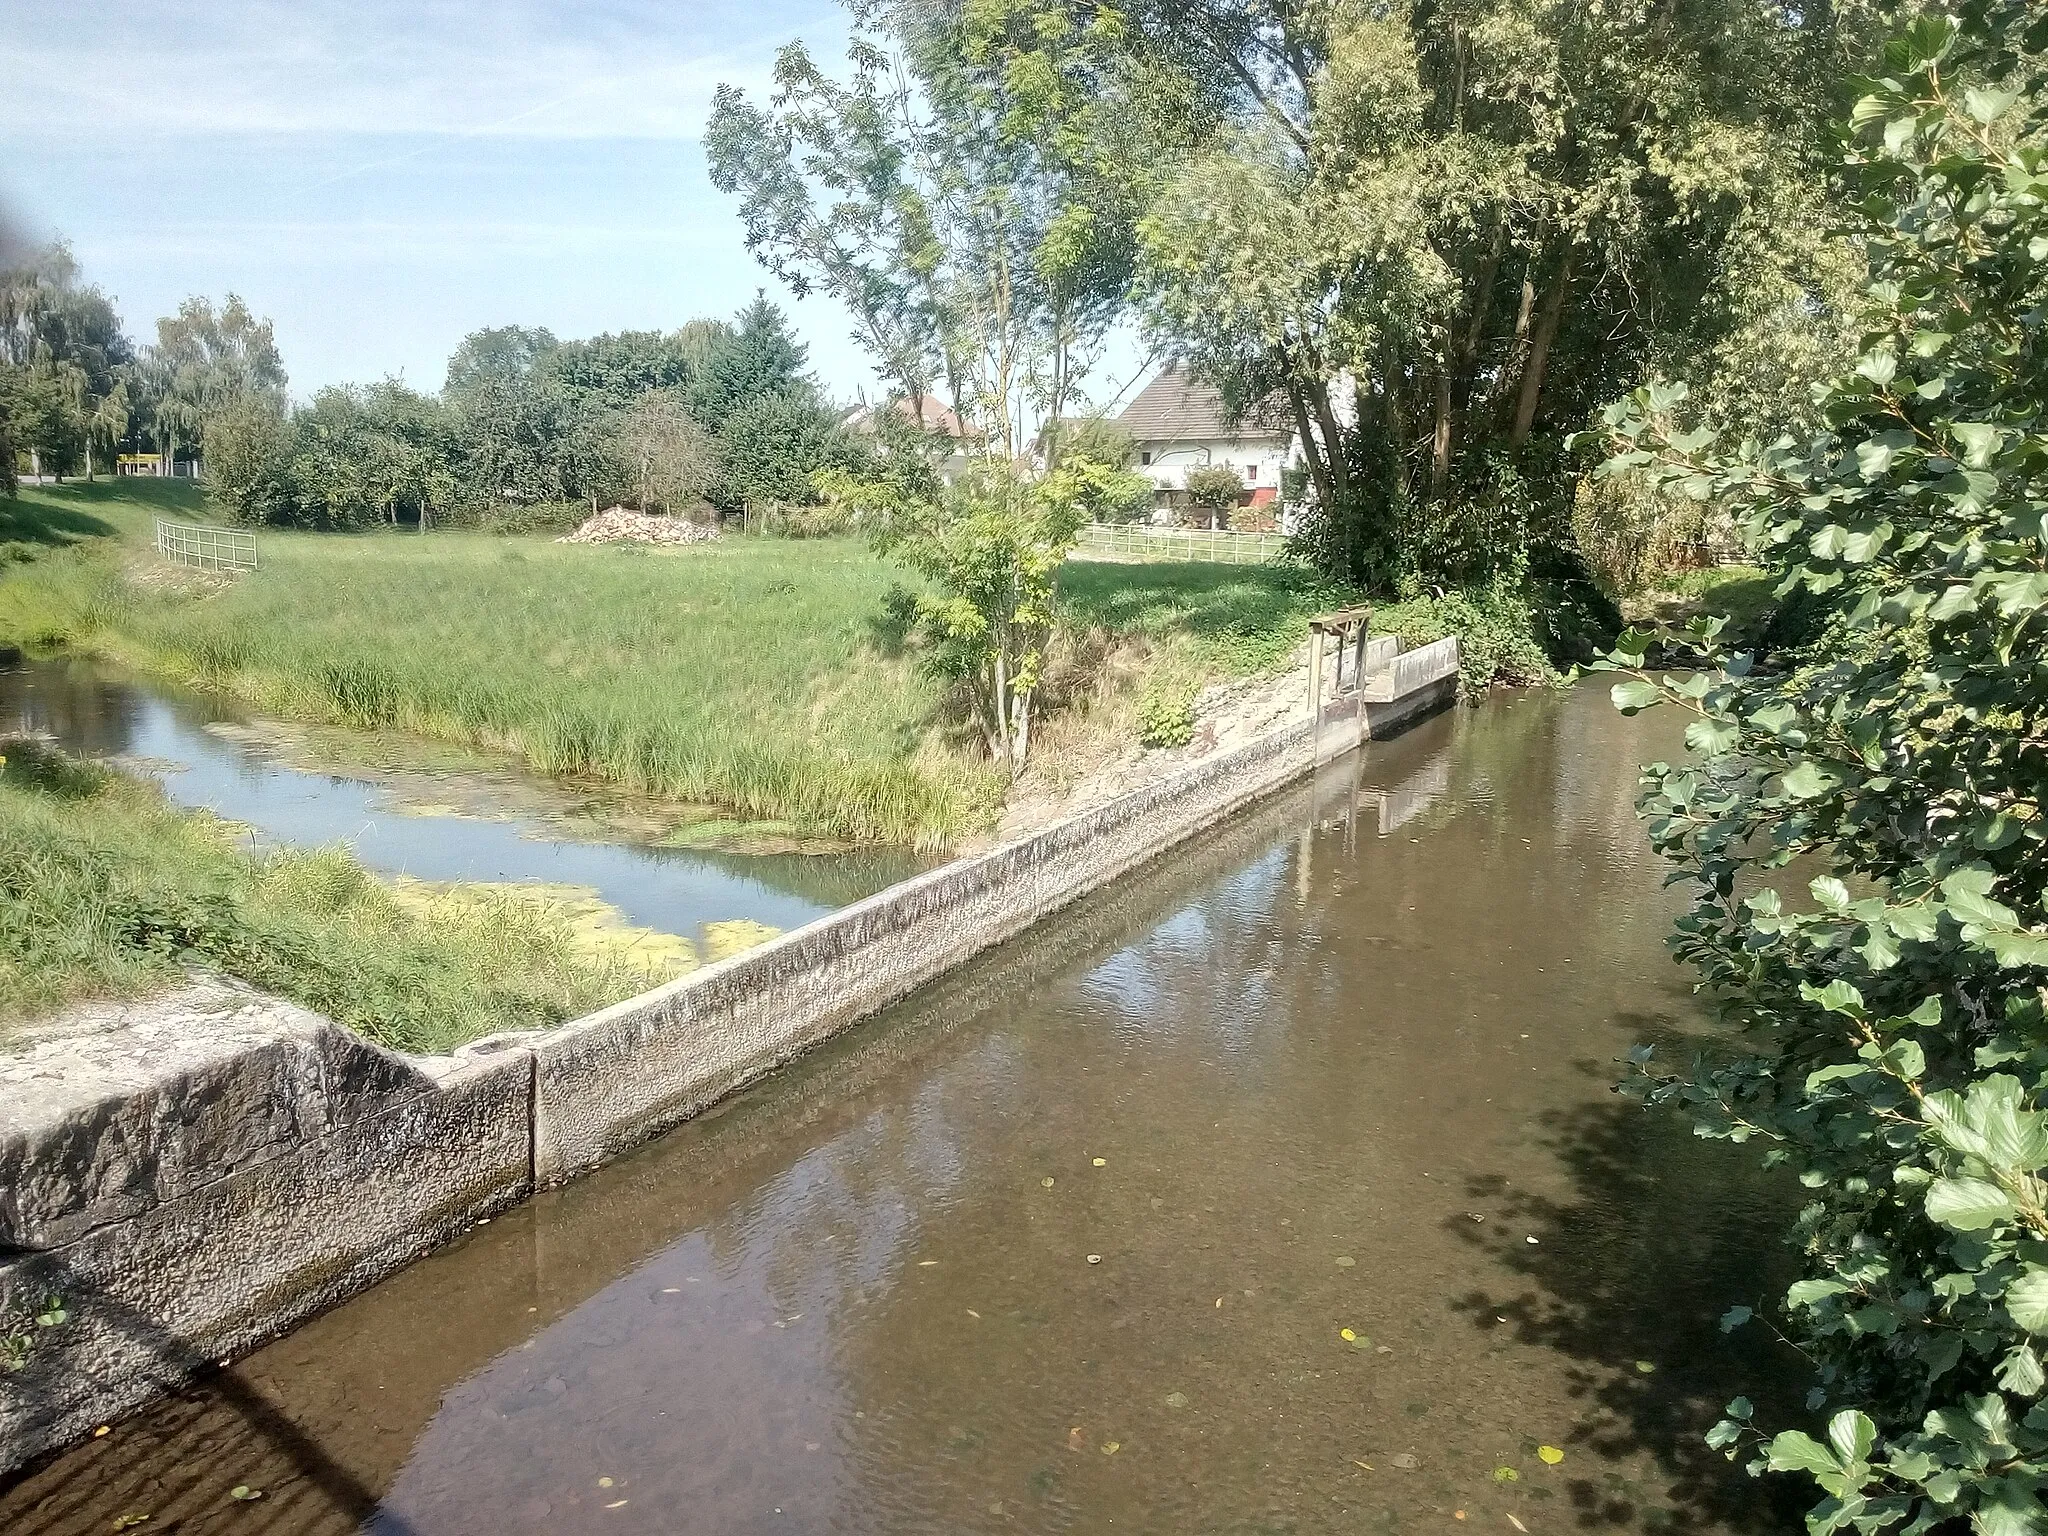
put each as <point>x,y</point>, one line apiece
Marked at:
<point>209,549</point>
<point>1114,541</point>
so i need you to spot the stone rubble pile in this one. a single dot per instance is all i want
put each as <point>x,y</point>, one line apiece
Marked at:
<point>622,525</point>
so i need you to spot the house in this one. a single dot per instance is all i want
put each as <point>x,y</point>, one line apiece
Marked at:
<point>1179,423</point>
<point>937,419</point>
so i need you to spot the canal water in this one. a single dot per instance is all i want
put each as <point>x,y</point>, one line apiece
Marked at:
<point>1278,1189</point>
<point>408,807</point>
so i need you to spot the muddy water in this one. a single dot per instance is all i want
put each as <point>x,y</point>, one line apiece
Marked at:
<point>1340,1064</point>
<point>417,808</point>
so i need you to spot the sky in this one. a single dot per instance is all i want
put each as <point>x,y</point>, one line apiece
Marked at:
<point>382,178</point>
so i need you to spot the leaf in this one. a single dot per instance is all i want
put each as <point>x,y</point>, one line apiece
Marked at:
<point>2027,1299</point>
<point>1830,893</point>
<point>1805,1293</point>
<point>1549,1455</point>
<point>243,1493</point>
<point>1734,1318</point>
<point>1795,1451</point>
<point>1852,1434</point>
<point>1635,694</point>
<point>1808,781</point>
<point>1967,1205</point>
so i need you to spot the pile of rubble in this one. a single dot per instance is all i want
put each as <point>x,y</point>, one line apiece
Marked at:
<point>622,525</point>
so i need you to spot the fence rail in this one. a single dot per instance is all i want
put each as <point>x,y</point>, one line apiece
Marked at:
<point>1110,541</point>
<point>209,549</point>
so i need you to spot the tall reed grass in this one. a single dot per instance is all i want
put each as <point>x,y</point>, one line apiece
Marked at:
<point>742,673</point>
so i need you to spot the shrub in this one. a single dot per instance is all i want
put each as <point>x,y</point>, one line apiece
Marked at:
<point>1214,490</point>
<point>1893,992</point>
<point>1166,714</point>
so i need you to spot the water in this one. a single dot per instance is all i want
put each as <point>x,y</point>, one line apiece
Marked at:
<point>1374,1020</point>
<point>508,826</point>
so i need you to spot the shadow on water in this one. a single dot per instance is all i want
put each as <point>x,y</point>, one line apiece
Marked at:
<point>1615,1294</point>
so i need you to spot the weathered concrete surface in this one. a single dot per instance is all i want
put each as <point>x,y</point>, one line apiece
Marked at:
<point>1411,671</point>
<point>191,1177</point>
<point>257,1179</point>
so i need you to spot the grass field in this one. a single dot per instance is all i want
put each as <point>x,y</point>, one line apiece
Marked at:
<point>107,890</point>
<point>752,674</point>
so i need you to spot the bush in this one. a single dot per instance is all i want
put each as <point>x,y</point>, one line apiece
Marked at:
<point>1214,490</point>
<point>1893,991</point>
<point>1166,714</point>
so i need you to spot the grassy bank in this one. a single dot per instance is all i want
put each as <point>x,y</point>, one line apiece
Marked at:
<point>740,674</point>
<point>751,674</point>
<point>106,890</point>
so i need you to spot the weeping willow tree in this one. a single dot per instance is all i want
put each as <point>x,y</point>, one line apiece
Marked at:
<point>1444,233</point>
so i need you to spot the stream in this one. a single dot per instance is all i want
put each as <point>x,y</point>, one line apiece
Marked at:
<point>1278,1188</point>
<point>412,807</point>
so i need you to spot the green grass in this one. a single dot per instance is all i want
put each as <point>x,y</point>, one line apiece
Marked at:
<point>742,674</point>
<point>107,890</point>
<point>1229,620</point>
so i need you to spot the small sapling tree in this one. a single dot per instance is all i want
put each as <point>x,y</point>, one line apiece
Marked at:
<point>1215,490</point>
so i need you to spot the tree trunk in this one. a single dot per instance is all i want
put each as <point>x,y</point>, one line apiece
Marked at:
<point>1317,470</point>
<point>1333,440</point>
<point>1440,438</point>
<point>1539,350</point>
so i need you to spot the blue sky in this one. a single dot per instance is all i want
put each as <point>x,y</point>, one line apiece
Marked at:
<point>381,178</point>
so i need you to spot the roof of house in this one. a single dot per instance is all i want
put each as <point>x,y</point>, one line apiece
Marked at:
<point>939,419</point>
<point>1176,406</point>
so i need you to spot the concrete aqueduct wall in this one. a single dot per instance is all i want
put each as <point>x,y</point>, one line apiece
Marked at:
<point>191,1177</point>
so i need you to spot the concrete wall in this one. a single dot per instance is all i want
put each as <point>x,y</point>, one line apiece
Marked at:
<point>191,1177</point>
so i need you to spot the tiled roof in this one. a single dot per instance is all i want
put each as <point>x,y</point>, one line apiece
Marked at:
<point>1176,407</point>
<point>938,417</point>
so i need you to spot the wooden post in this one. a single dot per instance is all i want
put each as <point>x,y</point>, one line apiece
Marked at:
<point>1315,695</point>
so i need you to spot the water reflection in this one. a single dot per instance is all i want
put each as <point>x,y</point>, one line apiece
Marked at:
<point>179,737</point>
<point>850,1300</point>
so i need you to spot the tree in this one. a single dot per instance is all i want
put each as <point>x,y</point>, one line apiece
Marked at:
<point>204,361</point>
<point>934,194</point>
<point>248,447</point>
<point>754,357</point>
<point>1215,489</point>
<point>1892,990</point>
<point>992,543</point>
<point>1443,234</point>
<point>669,456</point>
<point>772,449</point>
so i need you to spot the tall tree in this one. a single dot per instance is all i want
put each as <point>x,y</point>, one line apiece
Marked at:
<point>205,360</point>
<point>1443,233</point>
<point>936,194</point>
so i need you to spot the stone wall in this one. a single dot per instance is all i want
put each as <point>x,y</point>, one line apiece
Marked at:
<point>189,1178</point>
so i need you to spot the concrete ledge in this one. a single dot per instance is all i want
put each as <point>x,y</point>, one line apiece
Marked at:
<point>194,1176</point>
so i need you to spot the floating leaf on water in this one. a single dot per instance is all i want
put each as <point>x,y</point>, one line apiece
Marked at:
<point>1407,1461</point>
<point>1219,1301</point>
<point>1047,1181</point>
<point>604,1482</point>
<point>974,1314</point>
<point>1357,1463</point>
<point>1646,1367</point>
<point>1506,1475</point>
<point>1517,1524</point>
<point>1102,1162</point>
<point>243,1493</point>
<point>1094,1258</point>
<point>1457,1514</point>
<point>1347,1335</point>
<point>128,1522</point>
<point>104,1429</point>
<point>1550,1455</point>
<point>616,1504</point>
<point>1346,1261</point>
<point>926,1263</point>
<point>1530,1241</point>
<point>1076,1441</point>
<point>1176,1399</point>
<point>1111,1447</point>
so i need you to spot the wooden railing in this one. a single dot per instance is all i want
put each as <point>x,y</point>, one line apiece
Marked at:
<point>207,548</point>
<point>1124,541</point>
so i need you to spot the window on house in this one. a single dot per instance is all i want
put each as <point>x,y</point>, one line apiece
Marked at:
<point>1145,457</point>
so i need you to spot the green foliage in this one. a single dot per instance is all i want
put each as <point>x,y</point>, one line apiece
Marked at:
<point>1495,624</point>
<point>1215,490</point>
<point>1893,988</point>
<point>106,889</point>
<point>1166,713</point>
<point>771,448</point>
<point>992,545</point>
<point>739,673</point>
<point>1102,439</point>
<point>1232,620</point>
<point>1474,223</point>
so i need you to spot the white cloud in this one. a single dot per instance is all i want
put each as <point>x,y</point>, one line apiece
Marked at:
<point>520,68</point>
